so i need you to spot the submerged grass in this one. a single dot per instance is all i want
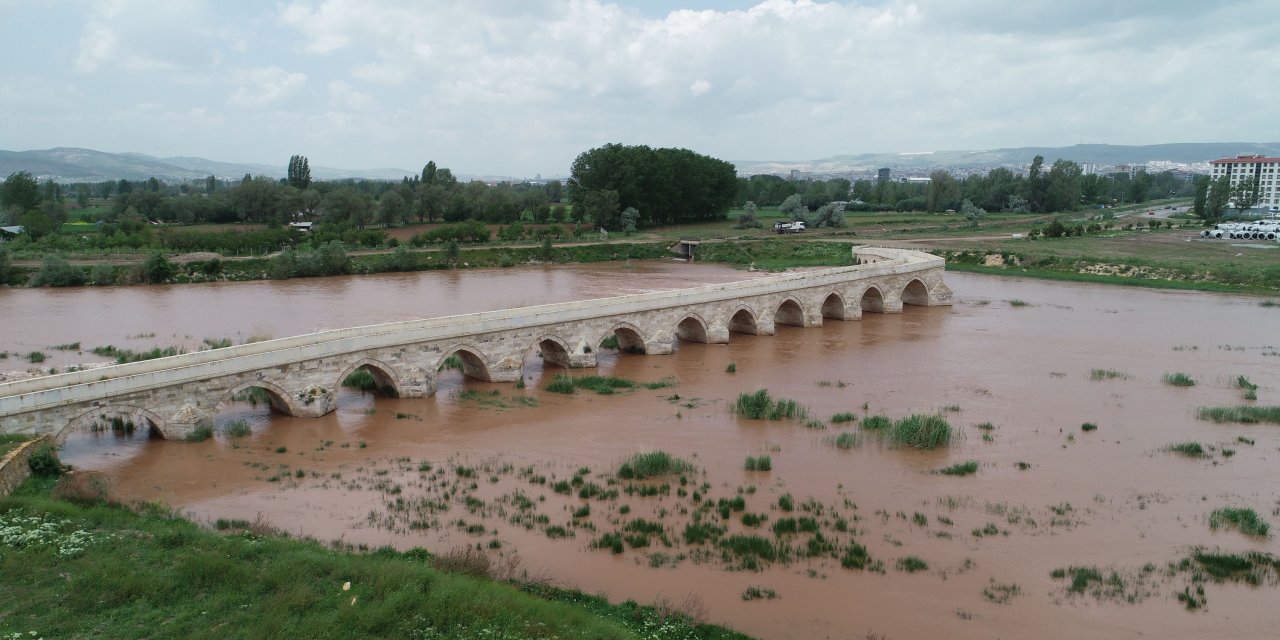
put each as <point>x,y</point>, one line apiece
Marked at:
<point>760,405</point>
<point>1242,414</point>
<point>1107,374</point>
<point>652,464</point>
<point>155,574</point>
<point>1189,449</point>
<point>1245,520</point>
<point>960,469</point>
<point>921,431</point>
<point>603,385</point>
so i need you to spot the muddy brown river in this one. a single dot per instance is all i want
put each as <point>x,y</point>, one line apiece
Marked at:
<point>504,468</point>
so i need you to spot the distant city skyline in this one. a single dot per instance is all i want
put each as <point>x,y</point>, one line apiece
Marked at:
<point>505,87</point>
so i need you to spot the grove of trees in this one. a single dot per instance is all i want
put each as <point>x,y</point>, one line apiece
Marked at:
<point>664,186</point>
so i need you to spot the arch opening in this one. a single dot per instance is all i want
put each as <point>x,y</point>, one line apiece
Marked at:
<point>625,339</point>
<point>368,376</point>
<point>743,321</point>
<point>259,392</point>
<point>463,359</point>
<point>118,422</point>
<point>872,300</point>
<point>915,293</point>
<point>789,313</point>
<point>554,352</point>
<point>833,307</point>
<point>692,329</point>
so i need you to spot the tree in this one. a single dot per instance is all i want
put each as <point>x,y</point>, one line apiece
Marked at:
<point>665,185</point>
<point>972,212</point>
<point>257,200</point>
<point>346,205</point>
<point>1219,195</point>
<point>748,219</point>
<point>628,220</point>
<point>943,192</point>
<point>299,173</point>
<point>429,173</point>
<point>20,192</point>
<point>1246,194</point>
<point>554,190</point>
<point>793,206</point>
<point>1036,185</point>
<point>392,208</point>
<point>830,215</point>
<point>1199,206</point>
<point>601,207</point>
<point>1062,191</point>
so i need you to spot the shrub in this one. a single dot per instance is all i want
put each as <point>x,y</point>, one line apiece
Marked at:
<point>82,487</point>
<point>157,269</point>
<point>44,462</point>
<point>57,272</point>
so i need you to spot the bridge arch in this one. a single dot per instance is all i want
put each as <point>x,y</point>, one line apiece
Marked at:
<point>743,320</point>
<point>630,338</point>
<point>791,312</point>
<point>277,397</point>
<point>692,328</point>
<point>915,293</point>
<point>386,381</point>
<point>833,306</point>
<point>872,299</point>
<point>83,420</point>
<point>555,350</point>
<point>474,364</point>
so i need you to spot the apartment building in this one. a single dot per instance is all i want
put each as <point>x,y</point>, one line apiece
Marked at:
<point>1249,167</point>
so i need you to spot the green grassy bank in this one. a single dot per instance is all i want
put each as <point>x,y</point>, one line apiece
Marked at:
<point>89,569</point>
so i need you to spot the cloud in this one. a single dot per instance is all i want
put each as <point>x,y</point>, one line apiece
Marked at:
<point>699,87</point>
<point>141,36</point>
<point>264,86</point>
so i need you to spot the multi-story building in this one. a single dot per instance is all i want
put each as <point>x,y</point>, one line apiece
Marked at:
<point>1250,167</point>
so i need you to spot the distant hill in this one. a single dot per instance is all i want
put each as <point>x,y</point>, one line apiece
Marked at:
<point>1101,154</point>
<point>86,165</point>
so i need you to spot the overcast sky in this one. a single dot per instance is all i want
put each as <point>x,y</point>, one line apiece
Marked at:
<point>518,87</point>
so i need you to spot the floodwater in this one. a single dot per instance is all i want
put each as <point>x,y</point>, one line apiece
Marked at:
<point>467,467</point>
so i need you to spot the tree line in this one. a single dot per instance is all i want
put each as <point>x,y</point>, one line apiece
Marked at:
<point>1062,186</point>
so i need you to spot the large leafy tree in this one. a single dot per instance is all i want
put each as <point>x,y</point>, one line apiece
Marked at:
<point>665,185</point>
<point>20,193</point>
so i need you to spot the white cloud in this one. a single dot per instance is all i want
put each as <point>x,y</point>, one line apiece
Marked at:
<point>523,86</point>
<point>264,86</point>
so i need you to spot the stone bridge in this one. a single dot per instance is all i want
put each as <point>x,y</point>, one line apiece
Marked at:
<point>301,374</point>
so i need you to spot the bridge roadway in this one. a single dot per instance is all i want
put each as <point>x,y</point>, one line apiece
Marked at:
<point>301,374</point>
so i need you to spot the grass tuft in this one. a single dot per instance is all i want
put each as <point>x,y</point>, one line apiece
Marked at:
<point>1178,379</point>
<point>1189,449</point>
<point>760,405</point>
<point>1245,520</point>
<point>921,431</point>
<point>652,464</point>
<point>960,469</point>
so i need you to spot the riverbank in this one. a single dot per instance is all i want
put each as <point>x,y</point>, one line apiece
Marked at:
<point>84,568</point>
<point>1153,258</point>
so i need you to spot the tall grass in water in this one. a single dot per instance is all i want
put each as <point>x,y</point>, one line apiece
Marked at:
<point>921,431</point>
<point>876,423</point>
<point>1248,390</point>
<point>1107,374</point>
<point>603,385</point>
<point>1178,379</point>
<point>237,429</point>
<point>1189,449</point>
<point>960,469</point>
<point>1246,415</point>
<point>760,405</point>
<point>1246,520</point>
<point>652,464</point>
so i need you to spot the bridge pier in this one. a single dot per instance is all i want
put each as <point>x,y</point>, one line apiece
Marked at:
<point>184,423</point>
<point>313,401</point>
<point>718,335</point>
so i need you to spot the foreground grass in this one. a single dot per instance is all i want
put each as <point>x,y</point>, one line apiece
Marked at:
<point>103,571</point>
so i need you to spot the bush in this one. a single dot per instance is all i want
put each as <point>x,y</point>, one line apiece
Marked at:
<point>82,487</point>
<point>57,272</point>
<point>157,269</point>
<point>44,462</point>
